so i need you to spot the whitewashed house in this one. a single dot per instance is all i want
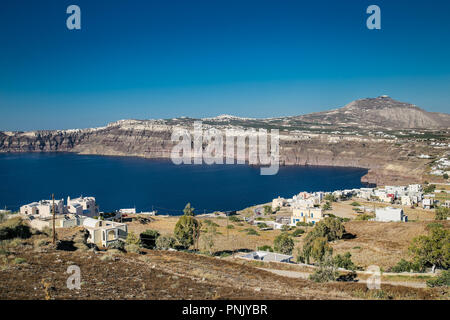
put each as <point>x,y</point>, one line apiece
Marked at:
<point>103,232</point>
<point>82,206</point>
<point>42,208</point>
<point>390,214</point>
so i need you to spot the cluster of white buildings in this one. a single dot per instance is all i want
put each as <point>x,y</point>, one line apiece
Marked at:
<point>405,195</point>
<point>305,207</point>
<point>76,212</point>
<point>440,167</point>
<point>85,206</point>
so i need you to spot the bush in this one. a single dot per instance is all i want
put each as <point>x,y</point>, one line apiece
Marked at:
<point>445,176</point>
<point>132,239</point>
<point>262,225</point>
<point>430,188</point>
<point>344,261</point>
<point>230,226</point>
<point>442,213</point>
<point>364,217</point>
<point>19,260</point>
<point>165,242</point>
<point>265,248</point>
<point>443,280</point>
<point>116,245</point>
<point>405,266</point>
<point>148,238</point>
<point>268,210</point>
<point>14,228</point>
<point>283,243</point>
<point>355,204</point>
<point>210,223</point>
<point>326,271</point>
<point>298,232</point>
<point>234,219</point>
<point>252,232</point>
<point>133,248</point>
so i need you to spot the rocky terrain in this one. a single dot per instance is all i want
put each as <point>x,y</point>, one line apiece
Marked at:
<point>381,134</point>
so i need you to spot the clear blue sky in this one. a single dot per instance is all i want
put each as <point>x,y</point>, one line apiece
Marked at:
<point>166,58</point>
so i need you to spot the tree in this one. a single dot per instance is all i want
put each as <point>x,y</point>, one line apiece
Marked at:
<point>326,271</point>
<point>442,213</point>
<point>432,249</point>
<point>331,228</point>
<point>328,228</point>
<point>330,197</point>
<point>187,230</point>
<point>445,176</point>
<point>430,188</point>
<point>188,210</point>
<point>283,243</point>
<point>267,210</point>
<point>320,248</point>
<point>209,237</point>
<point>326,206</point>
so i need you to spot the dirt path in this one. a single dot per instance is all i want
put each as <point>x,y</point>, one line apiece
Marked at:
<point>305,275</point>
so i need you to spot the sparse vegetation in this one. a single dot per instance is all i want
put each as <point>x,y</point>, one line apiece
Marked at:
<point>443,280</point>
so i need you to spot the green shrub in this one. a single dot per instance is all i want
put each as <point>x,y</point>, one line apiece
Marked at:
<point>14,228</point>
<point>262,225</point>
<point>443,280</point>
<point>165,242</point>
<point>230,226</point>
<point>210,223</point>
<point>132,239</point>
<point>364,217</point>
<point>326,271</point>
<point>265,248</point>
<point>234,219</point>
<point>19,260</point>
<point>298,232</point>
<point>148,238</point>
<point>116,245</point>
<point>405,266</point>
<point>355,204</point>
<point>442,213</point>
<point>252,232</point>
<point>134,248</point>
<point>344,261</point>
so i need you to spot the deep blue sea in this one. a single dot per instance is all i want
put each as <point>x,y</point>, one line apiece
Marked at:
<point>126,182</point>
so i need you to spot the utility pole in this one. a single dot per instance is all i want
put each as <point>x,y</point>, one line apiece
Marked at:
<point>53,209</point>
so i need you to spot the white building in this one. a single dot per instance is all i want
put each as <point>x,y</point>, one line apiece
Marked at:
<point>103,233</point>
<point>389,214</point>
<point>82,206</point>
<point>42,208</point>
<point>278,203</point>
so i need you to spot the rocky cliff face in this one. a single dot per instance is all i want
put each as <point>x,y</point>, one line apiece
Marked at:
<point>390,157</point>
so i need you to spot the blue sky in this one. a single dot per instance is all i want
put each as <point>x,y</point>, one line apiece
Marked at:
<point>163,59</point>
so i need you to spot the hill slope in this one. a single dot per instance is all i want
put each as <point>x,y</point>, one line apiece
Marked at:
<point>383,112</point>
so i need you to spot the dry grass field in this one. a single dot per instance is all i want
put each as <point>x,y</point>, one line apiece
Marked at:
<point>375,243</point>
